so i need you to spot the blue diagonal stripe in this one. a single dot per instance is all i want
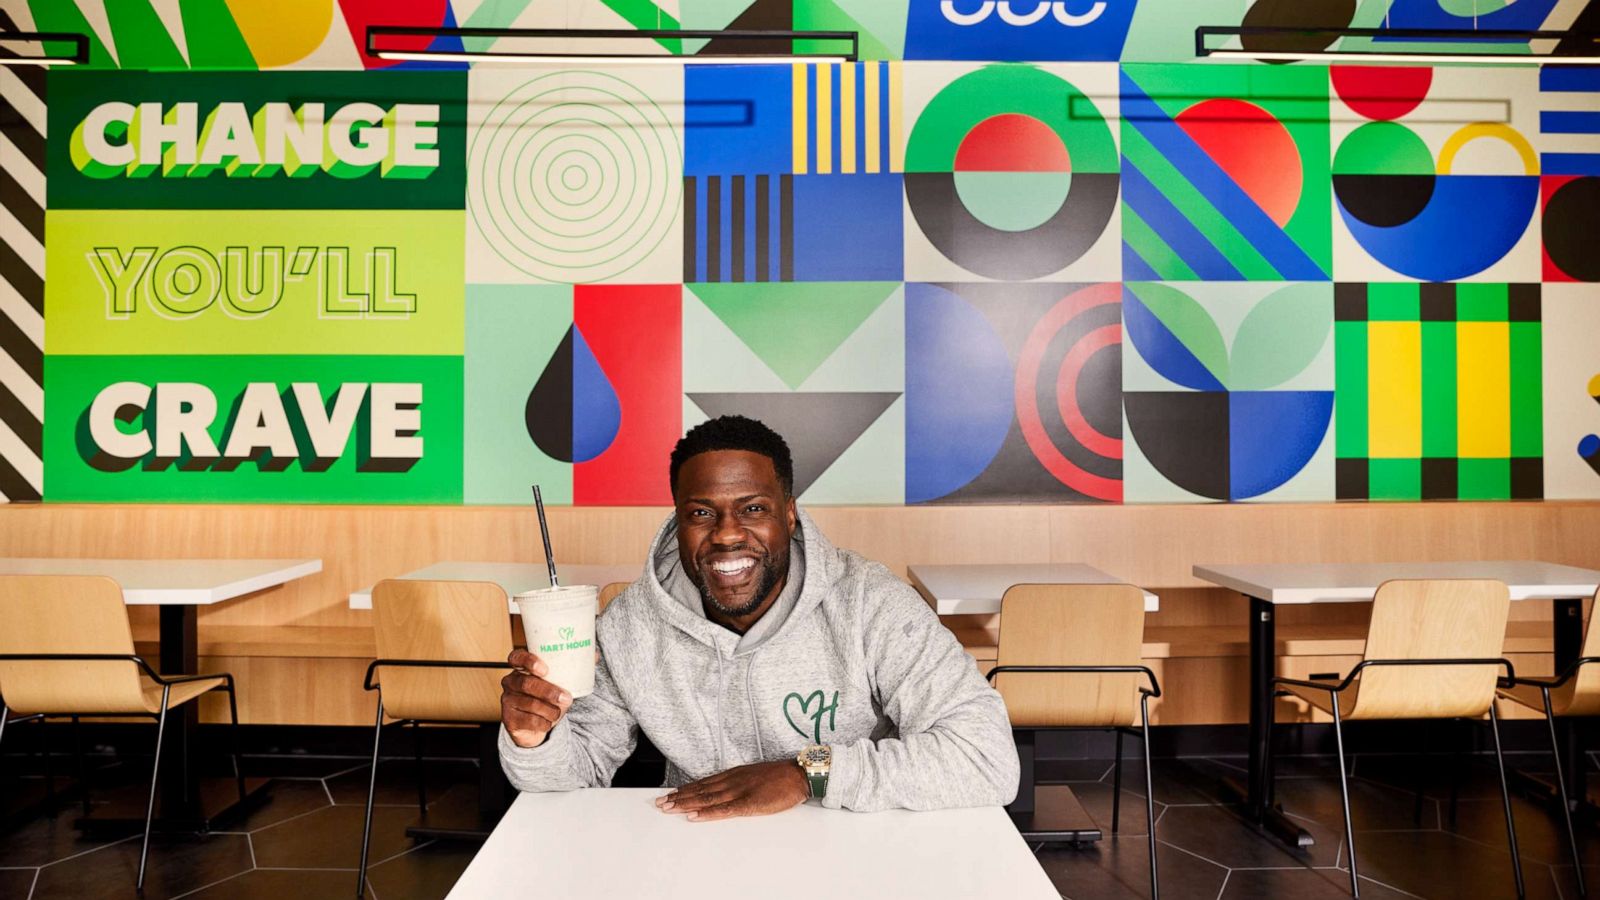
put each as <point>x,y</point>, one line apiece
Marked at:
<point>1134,267</point>
<point>1569,122</point>
<point>1217,186</point>
<point>1174,227</point>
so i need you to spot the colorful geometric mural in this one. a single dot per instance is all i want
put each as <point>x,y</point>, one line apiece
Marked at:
<point>1435,174</point>
<point>1013,392</point>
<point>1235,417</point>
<point>1011,172</point>
<point>1439,393</point>
<point>1230,188</point>
<point>385,285</point>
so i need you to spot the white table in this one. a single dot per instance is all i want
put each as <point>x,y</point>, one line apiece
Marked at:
<point>613,843</point>
<point>976,590</point>
<point>513,577</point>
<point>179,587</point>
<point>1269,585</point>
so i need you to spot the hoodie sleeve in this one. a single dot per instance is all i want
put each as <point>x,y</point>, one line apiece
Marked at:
<point>953,745</point>
<point>585,748</point>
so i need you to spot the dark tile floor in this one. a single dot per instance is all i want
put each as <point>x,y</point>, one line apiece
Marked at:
<point>303,842</point>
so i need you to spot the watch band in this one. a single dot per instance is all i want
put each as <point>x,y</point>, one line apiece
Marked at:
<point>819,784</point>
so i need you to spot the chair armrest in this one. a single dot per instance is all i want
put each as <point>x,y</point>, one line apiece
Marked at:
<point>1556,682</point>
<point>1319,685</point>
<point>84,657</point>
<point>1510,676</point>
<point>165,680</point>
<point>370,685</point>
<point>1154,690</point>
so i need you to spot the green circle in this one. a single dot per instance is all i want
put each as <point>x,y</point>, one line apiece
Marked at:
<point>1383,148</point>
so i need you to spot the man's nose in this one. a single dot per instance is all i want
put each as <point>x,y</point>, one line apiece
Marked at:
<point>727,532</point>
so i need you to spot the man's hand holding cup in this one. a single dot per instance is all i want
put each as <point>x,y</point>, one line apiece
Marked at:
<point>529,705</point>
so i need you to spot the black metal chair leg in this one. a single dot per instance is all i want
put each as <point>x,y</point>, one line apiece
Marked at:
<point>1149,794</point>
<point>1116,785</point>
<point>1344,796</point>
<point>1561,783</point>
<point>1505,795</point>
<point>233,734</point>
<point>372,786</point>
<point>77,761</point>
<point>422,785</point>
<point>44,759</point>
<point>155,772</point>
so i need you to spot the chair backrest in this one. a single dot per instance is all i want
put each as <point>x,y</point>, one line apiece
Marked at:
<point>610,592</point>
<point>1071,625</point>
<point>1433,619</point>
<point>1581,695</point>
<point>66,614</point>
<point>441,620</point>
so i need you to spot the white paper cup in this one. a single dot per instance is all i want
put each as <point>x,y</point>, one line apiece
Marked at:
<point>559,625</point>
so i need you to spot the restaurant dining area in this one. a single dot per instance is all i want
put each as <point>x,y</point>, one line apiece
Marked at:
<point>698,449</point>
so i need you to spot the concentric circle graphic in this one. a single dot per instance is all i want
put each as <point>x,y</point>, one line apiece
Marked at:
<point>574,176</point>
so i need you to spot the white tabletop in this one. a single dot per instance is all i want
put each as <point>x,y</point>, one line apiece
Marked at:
<point>174,582</point>
<point>513,577</point>
<point>1354,582</point>
<point>613,843</point>
<point>968,590</point>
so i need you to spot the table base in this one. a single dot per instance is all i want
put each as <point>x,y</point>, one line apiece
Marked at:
<point>1056,816</point>
<point>218,806</point>
<point>1270,820</point>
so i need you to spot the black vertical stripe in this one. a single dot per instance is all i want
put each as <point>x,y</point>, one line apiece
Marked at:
<point>19,132</point>
<point>20,203</point>
<point>786,228</point>
<point>736,226</point>
<point>689,222</point>
<point>713,228</point>
<point>13,485</point>
<point>14,270</point>
<point>23,352</point>
<point>21,422</point>
<point>763,244</point>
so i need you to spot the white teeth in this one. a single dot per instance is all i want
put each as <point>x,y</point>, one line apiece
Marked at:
<point>732,568</point>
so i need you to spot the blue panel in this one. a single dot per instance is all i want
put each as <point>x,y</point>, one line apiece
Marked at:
<point>596,412</point>
<point>848,228</point>
<point>1576,78</point>
<point>1570,163</point>
<point>958,392</point>
<point>737,119</point>
<point>1271,437</point>
<point>1569,122</point>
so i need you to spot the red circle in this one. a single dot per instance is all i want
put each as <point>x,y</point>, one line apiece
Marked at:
<point>1253,147</point>
<point>1054,461</point>
<point>1382,92</point>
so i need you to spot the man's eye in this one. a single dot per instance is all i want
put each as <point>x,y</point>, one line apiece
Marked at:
<point>755,508</point>
<point>700,512</point>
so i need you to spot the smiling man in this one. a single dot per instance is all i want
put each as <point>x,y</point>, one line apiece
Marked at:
<point>766,664</point>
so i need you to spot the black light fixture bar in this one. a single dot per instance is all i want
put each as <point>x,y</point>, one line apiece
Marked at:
<point>376,31</point>
<point>1202,47</point>
<point>79,42</point>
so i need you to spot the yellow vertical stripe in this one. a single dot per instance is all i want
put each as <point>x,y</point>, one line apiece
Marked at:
<point>798,113</point>
<point>872,145</point>
<point>1483,390</point>
<point>897,149</point>
<point>1394,389</point>
<point>847,118</point>
<point>824,130</point>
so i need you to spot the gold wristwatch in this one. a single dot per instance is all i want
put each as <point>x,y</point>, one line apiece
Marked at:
<point>816,761</point>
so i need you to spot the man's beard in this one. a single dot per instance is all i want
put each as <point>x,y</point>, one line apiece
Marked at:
<point>769,580</point>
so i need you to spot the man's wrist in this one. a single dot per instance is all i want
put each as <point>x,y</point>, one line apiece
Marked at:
<point>797,776</point>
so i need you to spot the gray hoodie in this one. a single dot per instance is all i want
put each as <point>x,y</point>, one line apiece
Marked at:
<point>855,660</point>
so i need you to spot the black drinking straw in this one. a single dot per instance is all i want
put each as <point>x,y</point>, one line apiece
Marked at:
<point>544,533</point>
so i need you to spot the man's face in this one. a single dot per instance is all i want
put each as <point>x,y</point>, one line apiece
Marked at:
<point>734,526</point>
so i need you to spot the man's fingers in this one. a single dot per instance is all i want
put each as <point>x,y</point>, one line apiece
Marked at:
<point>719,811</point>
<point>532,706</point>
<point>685,801</point>
<point>534,686</point>
<point>528,662</point>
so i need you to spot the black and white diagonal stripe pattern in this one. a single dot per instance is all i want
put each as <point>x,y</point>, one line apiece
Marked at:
<point>22,131</point>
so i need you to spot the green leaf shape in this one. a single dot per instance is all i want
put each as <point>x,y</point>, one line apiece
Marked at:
<point>1189,323</point>
<point>1280,337</point>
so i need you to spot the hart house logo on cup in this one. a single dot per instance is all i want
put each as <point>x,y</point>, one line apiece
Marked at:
<point>559,623</point>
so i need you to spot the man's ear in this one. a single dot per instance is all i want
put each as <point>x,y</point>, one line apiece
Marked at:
<point>794,516</point>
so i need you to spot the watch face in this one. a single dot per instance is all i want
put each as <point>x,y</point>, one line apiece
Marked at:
<point>816,756</point>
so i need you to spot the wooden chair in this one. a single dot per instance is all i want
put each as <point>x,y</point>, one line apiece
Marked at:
<point>66,649</point>
<point>610,592</point>
<point>1078,646</point>
<point>1572,693</point>
<point>1433,652</point>
<point>443,646</point>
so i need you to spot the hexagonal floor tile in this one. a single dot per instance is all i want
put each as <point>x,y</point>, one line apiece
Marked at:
<point>275,884</point>
<point>286,798</point>
<point>1120,869</point>
<point>425,873</point>
<point>397,783</point>
<point>1218,834</point>
<point>1373,806</point>
<point>1436,864</point>
<point>178,864</point>
<point>330,838</point>
<point>45,839</point>
<point>1096,800</point>
<point>1301,884</point>
<point>17,882</point>
<point>1063,771</point>
<point>1541,834</point>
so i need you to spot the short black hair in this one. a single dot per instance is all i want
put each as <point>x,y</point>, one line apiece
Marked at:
<point>735,433</point>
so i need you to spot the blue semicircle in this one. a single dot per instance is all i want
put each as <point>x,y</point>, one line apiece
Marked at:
<point>1469,224</point>
<point>958,392</point>
<point>1271,437</point>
